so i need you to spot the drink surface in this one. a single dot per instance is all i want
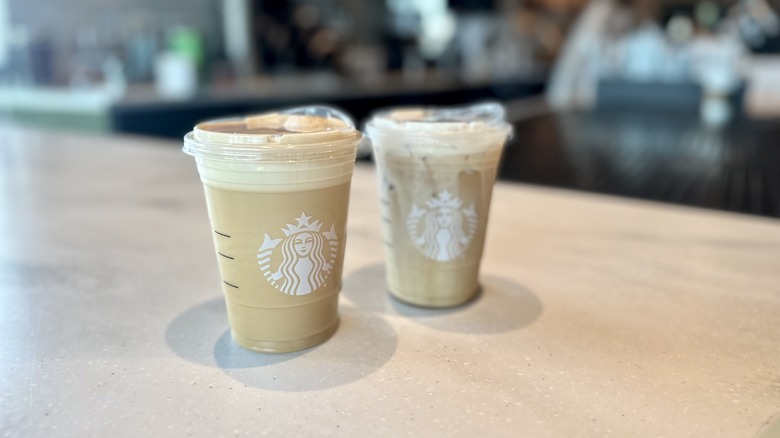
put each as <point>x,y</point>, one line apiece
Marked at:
<point>274,153</point>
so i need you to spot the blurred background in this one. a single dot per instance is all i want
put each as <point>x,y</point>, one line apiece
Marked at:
<point>675,100</point>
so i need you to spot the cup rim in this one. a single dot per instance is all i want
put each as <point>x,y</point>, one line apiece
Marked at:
<point>283,140</point>
<point>434,121</point>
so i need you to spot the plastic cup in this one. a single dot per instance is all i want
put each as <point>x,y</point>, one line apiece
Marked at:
<point>436,168</point>
<point>277,190</point>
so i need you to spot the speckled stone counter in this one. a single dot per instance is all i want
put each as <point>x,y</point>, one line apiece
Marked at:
<point>600,316</point>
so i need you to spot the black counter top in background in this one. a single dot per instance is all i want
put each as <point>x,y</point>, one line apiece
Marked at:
<point>637,151</point>
<point>146,114</point>
<point>651,155</point>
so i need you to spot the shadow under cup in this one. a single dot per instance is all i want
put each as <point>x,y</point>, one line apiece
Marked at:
<point>436,169</point>
<point>277,190</point>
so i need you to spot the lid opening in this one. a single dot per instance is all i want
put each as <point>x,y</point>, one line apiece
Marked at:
<point>297,130</point>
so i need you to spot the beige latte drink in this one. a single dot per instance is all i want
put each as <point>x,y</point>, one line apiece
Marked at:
<point>436,171</point>
<point>277,190</point>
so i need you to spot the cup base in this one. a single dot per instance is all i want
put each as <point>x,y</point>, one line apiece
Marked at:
<point>290,346</point>
<point>436,302</point>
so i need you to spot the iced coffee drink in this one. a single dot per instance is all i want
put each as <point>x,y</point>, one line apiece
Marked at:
<point>436,171</point>
<point>277,189</point>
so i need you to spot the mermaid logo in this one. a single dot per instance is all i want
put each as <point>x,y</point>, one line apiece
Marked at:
<point>307,257</point>
<point>447,229</point>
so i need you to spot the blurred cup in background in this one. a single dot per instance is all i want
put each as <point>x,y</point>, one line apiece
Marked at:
<point>436,168</point>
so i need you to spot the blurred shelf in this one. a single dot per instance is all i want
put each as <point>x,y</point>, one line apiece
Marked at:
<point>142,111</point>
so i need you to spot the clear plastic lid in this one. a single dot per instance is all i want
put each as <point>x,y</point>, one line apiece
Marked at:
<point>292,133</point>
<point>480,119</point>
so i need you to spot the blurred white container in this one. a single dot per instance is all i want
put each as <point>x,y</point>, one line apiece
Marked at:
<point>175,76</point>
<point>717,66</point>
<point>763,92</point>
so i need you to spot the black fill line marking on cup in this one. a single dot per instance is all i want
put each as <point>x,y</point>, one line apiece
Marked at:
<point>231,285</point>
<point>225,256</point>
<point>222,234</point>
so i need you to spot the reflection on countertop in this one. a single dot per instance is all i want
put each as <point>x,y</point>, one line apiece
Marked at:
<point>652,155</point>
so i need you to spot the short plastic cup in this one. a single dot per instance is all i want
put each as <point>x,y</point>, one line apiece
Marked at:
<point>436,168</point>
<point>277,190</point>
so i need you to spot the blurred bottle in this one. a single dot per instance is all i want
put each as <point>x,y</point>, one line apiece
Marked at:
<point>717,68</point>
<point>140,44</point>
<point>645,53</point>
<point>17,66</point>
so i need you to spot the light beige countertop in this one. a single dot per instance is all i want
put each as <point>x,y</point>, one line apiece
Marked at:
<point>600,316</point>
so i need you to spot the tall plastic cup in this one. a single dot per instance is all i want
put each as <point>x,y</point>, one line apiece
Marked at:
<point>436,168</point>
<point>277,190</point>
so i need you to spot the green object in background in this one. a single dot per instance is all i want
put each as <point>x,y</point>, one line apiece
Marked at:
<point>61,120</point>
<point>187,42</point>
<point>707,14</point>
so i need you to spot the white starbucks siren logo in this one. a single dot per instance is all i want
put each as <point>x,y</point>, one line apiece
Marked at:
<point>307,257</point>
<point>447,229</point>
